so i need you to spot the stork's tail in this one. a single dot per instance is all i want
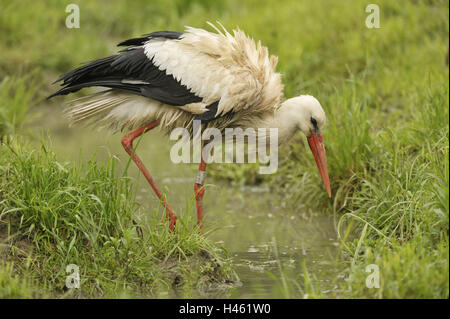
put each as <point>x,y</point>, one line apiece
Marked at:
<point>94,106</point>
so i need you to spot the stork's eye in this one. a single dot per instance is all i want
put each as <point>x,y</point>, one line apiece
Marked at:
<point>314,122</point>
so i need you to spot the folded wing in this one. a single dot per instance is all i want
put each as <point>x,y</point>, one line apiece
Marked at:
<point>208,74</point>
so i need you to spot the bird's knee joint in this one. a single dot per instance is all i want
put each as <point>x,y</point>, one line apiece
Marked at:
<point>127,143</point>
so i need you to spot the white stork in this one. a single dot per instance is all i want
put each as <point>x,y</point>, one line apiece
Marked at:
<point>170,78</point>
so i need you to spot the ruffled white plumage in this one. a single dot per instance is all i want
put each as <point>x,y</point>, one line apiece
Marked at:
<point>222,67</point>
<point>231,69</point>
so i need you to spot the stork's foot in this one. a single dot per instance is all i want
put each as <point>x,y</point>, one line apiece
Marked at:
<point>171,216</point>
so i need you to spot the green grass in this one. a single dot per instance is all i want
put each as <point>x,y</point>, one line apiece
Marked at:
<point>387,149</point>
<point>386,95</point>
<point>16,97</point>
<point>12,285</point>
<point>54,214</point>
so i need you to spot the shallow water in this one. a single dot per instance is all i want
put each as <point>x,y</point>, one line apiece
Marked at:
<point>270,241</point>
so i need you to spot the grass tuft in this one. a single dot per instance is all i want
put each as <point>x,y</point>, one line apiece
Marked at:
<point>55,214</point>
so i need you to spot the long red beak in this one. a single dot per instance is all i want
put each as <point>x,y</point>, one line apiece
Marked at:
<point>316,144</point>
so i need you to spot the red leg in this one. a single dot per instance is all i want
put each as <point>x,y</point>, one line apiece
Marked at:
<point>127,142</point>
<point>200,191</point>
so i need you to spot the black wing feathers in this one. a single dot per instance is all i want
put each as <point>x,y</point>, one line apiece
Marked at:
<point>210,114</point>
<point>132,71</point>
<point>159,34</point>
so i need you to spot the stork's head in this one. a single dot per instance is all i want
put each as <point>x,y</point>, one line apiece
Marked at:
<point>307,115</point>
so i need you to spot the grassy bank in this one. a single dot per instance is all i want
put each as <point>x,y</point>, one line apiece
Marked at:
<point>387,147</point>
<point>386,95</point>
<point>55,214</point>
